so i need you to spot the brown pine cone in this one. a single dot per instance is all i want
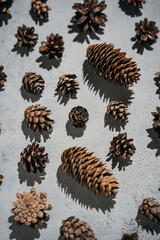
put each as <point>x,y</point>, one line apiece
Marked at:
<point>54,47</point>
<point>3,77</point>
<point>1,177</point>
<point>41,8</point>
<point>5,5</point>
<point>118,110</point>
<point>151,209</point>
<point>33,83</point>
<point>37,118</point>
<point>89,171</point>
<point>156,120</point>
<point>68,85</point>
<point>29,209</point>
<point>120,145</point>
<point>78,116</point>
<point>135,3</point>
<point>112,64</point>
<point>74,229</point>
<point>158,74</point>
<point>132,236</point>
<point>89,16</point>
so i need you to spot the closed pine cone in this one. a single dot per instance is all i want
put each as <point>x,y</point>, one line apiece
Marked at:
<point>3,77</point>
<point>53,47</point>
<point>156,120</point>
<point>33,83</point>
<point>135,3</point>
<point>89,171</point>
<point>120,145</point>
<point>5,5</point>
<point>33,158</point>
<point>151,209</point>
<point>78,116</point>
<point>68,85</point>
<point>112,64</point>
<point>132,236</point>
<point>41,8</point>
<point>74,229</point>
<point>29,209</point>
<point>37,118</point>
<point>118,110</point>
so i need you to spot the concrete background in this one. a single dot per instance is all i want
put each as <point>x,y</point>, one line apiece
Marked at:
<point>138,178</point>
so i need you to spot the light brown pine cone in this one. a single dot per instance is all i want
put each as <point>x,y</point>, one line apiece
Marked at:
<point>135,3</point>
<point>33,83</point>
<point>118,110</point>
<point>5,5</point>
<point>41,8</point>
<point>3,77</point>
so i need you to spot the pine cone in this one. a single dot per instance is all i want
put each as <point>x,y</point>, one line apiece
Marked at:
<point>156,120</point>
<point>135,3</point>
<point>33,83</point>
<point>120,145</point>
<point>37,118</point>
<point>158,74</point>
<point>118,110</point>
<point>3,77</point>
<point>1,177</point>
<point>41,8</point>
<point>29,209</point>
<point>33,158</point>
<point>90,171</point>
<point>74,229</point>
<point>132,236</point>
<point>112,64</point>
<point>89,16</point>
<point>54,47</point>
<point>151,209</point>
<point>78,116</point>
<point>5,5</point>
<point>146,31</point>
<point>67,85</point>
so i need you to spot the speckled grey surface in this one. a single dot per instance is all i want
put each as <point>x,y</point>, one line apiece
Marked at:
<point>108,219</point>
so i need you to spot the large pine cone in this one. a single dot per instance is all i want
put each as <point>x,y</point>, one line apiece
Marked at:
<point>135,3</point>
<point>118,110</point>
<point>41,8</point>
<point>89,16</point>
<point>78,116</point>
<point>120,145</point>
<point>68,85</point>
<point>156,120</point>
<point>54,47</point>
<point>33,158</point>
<point>3,77</point>
<point>29,209</point>
<point>89,170</point>
<point>132,236</point>
<point>74,229</point>
<point>151,209</point>
<point>37,118</point>
<point>33,83</point>
<point>112,64</point>
<point>5,5</point>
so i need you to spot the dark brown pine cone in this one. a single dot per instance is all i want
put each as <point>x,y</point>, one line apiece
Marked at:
<point>135,3</point>
<point>5,5</point>
<point>156,120</point>
<point>118,110</point>
<point>78,116</point>
<point>54,47</point>
<point>41,8</point>
<point>33,83</point>
<point>3,77</point>
<point>132,236</point>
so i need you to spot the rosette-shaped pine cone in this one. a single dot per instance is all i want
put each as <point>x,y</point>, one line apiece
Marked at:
<point>89,171</point>
<point>135,3</point>
<point>89,16</point>
<point>41,8</point>
<point>33,83</point>
<point>33,158</point>
<point>120,145</point>
<point>132,236</point>
<point>74,229</point>
<point>156,120</point>
<point>3,77</point>
<point>53,47</point>
<point>78,116</point>
<point>112,64</point>
<point>151,209</point>
<point>29,209</point>
<point>5,5</point>
<point>37,118</point>
<point>146,31</point>
<point>68,85</point>
<point>118,110</point>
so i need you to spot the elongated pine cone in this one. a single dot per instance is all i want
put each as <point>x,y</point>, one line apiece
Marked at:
<point>29,209</point>
<point>120,145</point>
<point>33,158</point>
<point>112,64</point>
<point>33,83</point>
<point>41,8</point>
<point>5,5</point>
<point>89,170</point>
<point>135,3</point>
<point>74,229</point>
<point>156,120</point>
<point>68,85</point>
<point>89,16</point>
<point>118,110</point>
<point>151,209</point>
<point>132,236</point>
<point>78,116</point>
<point>53,47</point>
<point>3,77</point>
<point>37,118</point>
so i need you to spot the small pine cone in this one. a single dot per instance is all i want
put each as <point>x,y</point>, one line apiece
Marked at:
<point>74,229</point>
<point>29,209</point>
<point>78,116</point>
<point>132,236</point>
<point>89,170</point>
<point>37,118</point>
<point>33,158</point>
<point>68,85</point>
<point>33,83</point>
<point>120,145</point>
<point>135,3</point>
<point>5,5</point>
<point>41,8</point>
<point>156,120</point>
<point>1,177</point>
<point>151,209</point>
<point>3,77</point>
<point>54,47</point>
<point>118,110</point>
<point>158,74</point>
<point>89,16</point>
<point>112,64</point>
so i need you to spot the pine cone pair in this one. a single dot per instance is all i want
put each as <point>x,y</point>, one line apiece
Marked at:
<point>5,5</point>
<point>135,3</point>
<point>78,116</point>
<point>3,77</point>
<point>33,83</point>
<point>118,110</point>
<point>41,8</point>
<point>156,120</point>
<point>132,236</point>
